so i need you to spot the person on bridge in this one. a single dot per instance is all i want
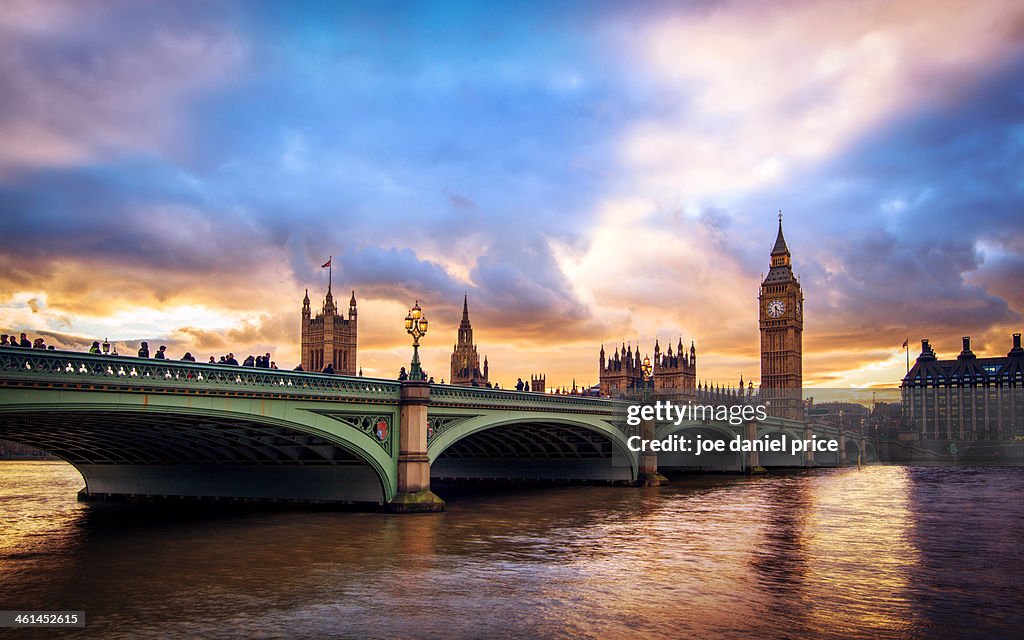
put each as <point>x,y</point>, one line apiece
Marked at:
<point>161,353</point>
<point>231,360</point>
<point>402,375</point>
<point>3,340</point>
<point>24,341</point>
<point>144,350</point>
<point>329,368</point>
<point>95,348</point>
<point>249,362</point>
<point>38,344</point>
<point>298,367</point>
<point>188,357</point>
<point>519,384</point>
<point>212,360</point>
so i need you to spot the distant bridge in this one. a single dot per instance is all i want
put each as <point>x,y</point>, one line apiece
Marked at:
<point>141,428</point>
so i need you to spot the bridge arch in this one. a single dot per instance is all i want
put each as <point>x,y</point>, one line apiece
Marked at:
<point>180,446</point>
<point>531,446</point>
<point>852,449</point>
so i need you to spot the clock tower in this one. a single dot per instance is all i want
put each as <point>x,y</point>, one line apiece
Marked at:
<point>781,311</point>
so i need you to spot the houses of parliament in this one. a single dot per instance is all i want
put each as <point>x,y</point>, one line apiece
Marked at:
<point>781,323</point>
<point>330,338</point>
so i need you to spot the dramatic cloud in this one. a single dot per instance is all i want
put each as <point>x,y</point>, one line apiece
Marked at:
<point>586,174</point>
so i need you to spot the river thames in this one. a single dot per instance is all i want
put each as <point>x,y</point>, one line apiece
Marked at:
<point>883,552</point>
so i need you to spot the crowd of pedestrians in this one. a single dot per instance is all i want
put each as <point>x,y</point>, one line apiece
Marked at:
<point>264,361</point>
<point>258,362</point>
<point>23,342</point>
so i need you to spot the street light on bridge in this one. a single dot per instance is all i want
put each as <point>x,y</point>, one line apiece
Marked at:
<point>645,371</point>
<point>416,326</point>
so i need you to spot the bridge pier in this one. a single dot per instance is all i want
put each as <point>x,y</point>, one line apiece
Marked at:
<point>842,448</point>
<point>414,494</point>
<point>809,453</point>
<point>753,458</point>
<point>647,470</point>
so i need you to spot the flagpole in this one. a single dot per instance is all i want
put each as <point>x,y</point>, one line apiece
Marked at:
<point>906,345</point>
<point>330,272</point>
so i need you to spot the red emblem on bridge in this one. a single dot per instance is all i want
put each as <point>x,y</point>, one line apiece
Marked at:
<point>382,430</point>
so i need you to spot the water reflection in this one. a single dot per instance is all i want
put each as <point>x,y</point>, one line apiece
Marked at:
<point>879,553</point>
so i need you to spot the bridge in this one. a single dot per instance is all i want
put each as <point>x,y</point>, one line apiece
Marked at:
<point>144,428</point>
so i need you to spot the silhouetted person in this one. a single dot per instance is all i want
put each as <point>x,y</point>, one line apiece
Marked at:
<point>95,348</point>
<point>231,360</point>
<point>249,362</point>
<point>51,348</point>
<point>38,344</point>
<point>329,368</point>
<point>402,375</point>
<point>519,384</point>
<point>24,341</point>
<point>431,381</point>
<point>161,353</point>
<point>263,361</point>
<point>298,367</point>
<point>3,340</point>
<point>273,365</point>
<point>188,357</point>
<point>144,350</point>
<point>214,360</point>
<point>223,360</point>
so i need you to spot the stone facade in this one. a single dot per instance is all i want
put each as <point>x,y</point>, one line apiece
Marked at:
<point>969,398</point>
<point>330,337</point>
<point>781,308</point>
<point>672,373</point>
<point>465,358</point>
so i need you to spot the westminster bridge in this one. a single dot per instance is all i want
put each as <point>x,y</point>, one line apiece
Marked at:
<point>144,428</point>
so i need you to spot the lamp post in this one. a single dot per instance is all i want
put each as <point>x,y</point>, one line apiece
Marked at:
<point>106,347</point>
<point>416,326</point>
<point>645,370</point>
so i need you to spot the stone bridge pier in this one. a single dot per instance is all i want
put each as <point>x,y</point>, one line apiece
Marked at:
<point>753,463</point>
<point>413,493</point>
<point>647,471</point>
<point>809,453</point>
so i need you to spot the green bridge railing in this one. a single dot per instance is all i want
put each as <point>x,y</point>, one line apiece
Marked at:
<point>37,367</point>
<point>33,367</point>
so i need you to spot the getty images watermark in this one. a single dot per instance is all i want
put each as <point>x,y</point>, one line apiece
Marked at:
<point>665,411</point>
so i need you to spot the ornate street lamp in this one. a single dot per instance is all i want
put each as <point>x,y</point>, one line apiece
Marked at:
<point>645,370</point>
<point>106,347</point>
<point>416,326</point>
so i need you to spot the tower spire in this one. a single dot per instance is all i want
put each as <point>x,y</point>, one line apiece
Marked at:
<point>780,247</point>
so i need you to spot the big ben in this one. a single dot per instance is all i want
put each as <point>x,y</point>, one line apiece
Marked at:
<point>781,305</point>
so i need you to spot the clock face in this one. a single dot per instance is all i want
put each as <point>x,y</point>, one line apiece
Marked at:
<point>776,308</point>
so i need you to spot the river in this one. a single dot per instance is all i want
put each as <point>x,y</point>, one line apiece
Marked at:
<point>883,552</point>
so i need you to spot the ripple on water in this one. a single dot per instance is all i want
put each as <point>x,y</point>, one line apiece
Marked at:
<point>885,552</point>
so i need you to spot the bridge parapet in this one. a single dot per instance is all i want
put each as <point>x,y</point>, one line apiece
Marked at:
<point>33,367</point>
<point>445,395</point>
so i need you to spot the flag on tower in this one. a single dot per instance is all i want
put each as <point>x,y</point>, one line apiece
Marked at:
<point>906,343</point>
<point>327,264</point>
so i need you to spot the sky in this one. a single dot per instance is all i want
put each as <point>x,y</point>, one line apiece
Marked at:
<point>587,173</point>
